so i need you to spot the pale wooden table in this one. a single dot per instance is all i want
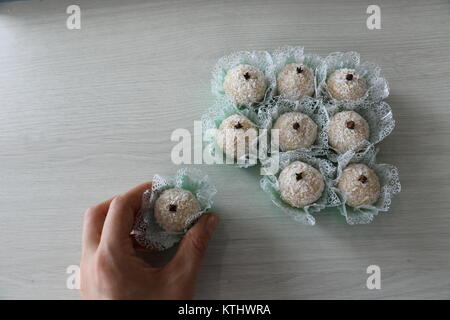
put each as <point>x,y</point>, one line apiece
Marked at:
<point>88,113</point>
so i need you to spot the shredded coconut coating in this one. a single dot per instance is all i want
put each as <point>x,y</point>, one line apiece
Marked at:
<point>235,135</point>
<point>297,130</point>
<point>359,184</point>
<point>340,88</point>
<point>175,208</point>
<point>347,130</point>
<point>245,84</point>
<point>293,84</point>
<point>300,184</point>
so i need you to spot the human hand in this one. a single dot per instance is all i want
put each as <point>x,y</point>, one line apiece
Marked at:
<point>110,268</point>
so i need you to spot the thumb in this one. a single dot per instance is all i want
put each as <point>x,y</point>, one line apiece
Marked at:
<point>193,247</point>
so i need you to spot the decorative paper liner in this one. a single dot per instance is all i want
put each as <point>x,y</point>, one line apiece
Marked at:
<point>329,198</point>
<point>295,54</point>
<point>259,59</point>
<point>311,107</point>
<point>389,182</point>
<point>378,115</point>
<point>377,86</point>
<point>147,231</point>
<point>222,109</point>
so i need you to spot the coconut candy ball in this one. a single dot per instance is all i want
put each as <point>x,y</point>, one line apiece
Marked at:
<point>175,208</point>
<point>347,130</point>
<point>235,135</point>
<point>300,184</point>
<point>359,184</point>
<point>346,84</point>
<point>296,130</point>
<point>245,84</point>
<point>295,81</point>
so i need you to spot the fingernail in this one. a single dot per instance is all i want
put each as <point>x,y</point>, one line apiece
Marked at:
<point>211,223</point>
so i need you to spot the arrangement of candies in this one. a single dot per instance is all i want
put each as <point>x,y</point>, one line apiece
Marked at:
<point>326,114</point>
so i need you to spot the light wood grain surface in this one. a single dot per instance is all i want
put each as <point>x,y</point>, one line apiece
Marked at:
<point>85,114</point>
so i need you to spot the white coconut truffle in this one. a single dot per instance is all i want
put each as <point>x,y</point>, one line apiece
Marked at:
<point>300,184</point>
<point>346,84</point>
<point>347,130</point>
<point>296,130</point>
<point>359,184</point>
<point>235,135</point>
<point>245,84</point>
<point>175,208</point>
<point>295,81</point>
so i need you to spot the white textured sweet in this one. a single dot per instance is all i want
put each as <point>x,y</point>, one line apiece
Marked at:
<point>300,184</point>
<point>295,81</point>
<point>245,84</point>
<point>347,130</point>
<point>359,184</point>
<point>297,130</point>
<point>346,84</point>
<point>175,208</point>
<point>235,135</point>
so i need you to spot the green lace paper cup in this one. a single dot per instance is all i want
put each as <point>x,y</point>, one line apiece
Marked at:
<point>259,59</point>
<point>377,86</point>
<point>389,182</point>
<point>329,198</point>
<point>147,231</point>
<point>211,121</point>
<point>378,115</point>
